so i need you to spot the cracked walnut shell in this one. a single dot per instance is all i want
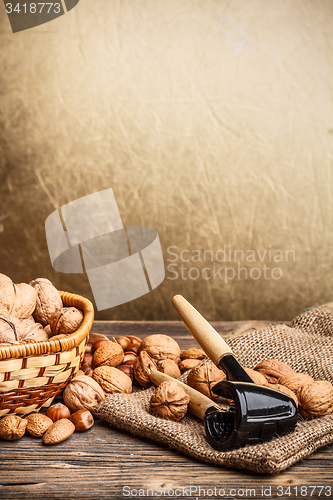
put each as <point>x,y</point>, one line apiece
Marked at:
<point>204,377</point>
<point>48,300</point>
<point>142,368</point>
<point>160,346</point>
<point>169,401</point>
<point>273,369</point>
<point>112,380</point>
<point>108,354</point>
<point>316,399</point>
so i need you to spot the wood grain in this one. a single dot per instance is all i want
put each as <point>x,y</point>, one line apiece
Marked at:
<point>101,462</point>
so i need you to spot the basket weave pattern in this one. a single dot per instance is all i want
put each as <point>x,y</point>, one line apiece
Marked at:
<point>32,374</point>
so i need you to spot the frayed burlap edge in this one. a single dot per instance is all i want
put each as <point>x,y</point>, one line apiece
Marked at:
<point>306,346</point>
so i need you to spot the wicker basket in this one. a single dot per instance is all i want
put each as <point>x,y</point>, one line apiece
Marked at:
<point>32,374</point>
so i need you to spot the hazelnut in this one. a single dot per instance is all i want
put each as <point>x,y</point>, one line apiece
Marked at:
<point>125,342</point>
<point>204,377</point>
<point>143,367</point>
<point>109,354</point>
<point>160,347</point>
<point>128,370</point>
<point>129,358</point>
<point>112,380</point>
<point>133,348</point>
<point>12,427</point>
<point>273,369</point>
<point>87,369</point>
<point>83,420</point>
<point>133,339</point>
<point>98,344</point>
<point>169,401</point>
<point>83,392</point>
<point>58,411</point>
<point>87,359</point>
<point>93,337</point>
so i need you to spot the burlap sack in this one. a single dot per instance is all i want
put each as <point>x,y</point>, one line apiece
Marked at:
<point>306,346</point>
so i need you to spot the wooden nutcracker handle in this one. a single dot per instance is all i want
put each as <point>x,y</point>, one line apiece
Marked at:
<point>198,404</point>
<point>208,338</point>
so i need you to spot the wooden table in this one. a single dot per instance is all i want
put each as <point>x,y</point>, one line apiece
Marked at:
<point>107,463</point>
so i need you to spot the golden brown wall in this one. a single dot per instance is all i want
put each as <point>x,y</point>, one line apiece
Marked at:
<point>211,120</point>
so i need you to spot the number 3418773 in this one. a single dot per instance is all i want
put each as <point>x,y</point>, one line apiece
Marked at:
<point>33,8</point>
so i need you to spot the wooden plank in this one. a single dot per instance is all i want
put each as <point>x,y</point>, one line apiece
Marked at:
<point>100,463</point>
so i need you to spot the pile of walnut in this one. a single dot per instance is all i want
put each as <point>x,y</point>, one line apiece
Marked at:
<point>34,312</point>
<point>57,425</point>
<point>114,366</point>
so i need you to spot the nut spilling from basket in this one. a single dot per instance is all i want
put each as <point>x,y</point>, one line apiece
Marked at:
<point>34,312</point>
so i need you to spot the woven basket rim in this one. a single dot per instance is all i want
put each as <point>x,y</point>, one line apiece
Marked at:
<point>55,346</point>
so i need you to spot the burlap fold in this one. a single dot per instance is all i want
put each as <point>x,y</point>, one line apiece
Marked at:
<point>306,346</point>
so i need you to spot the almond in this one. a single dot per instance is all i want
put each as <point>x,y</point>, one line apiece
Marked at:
<point>38,424</point>
<point>59,431</point>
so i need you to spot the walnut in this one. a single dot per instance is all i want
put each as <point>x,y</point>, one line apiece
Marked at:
<point>48,331</point>
<point>204,377</point>
<point>160,347</point>
<point>169,367</point>
<point>83,392</point>
<point>110,354</point>
<point>65,321</point>
<point>112,380</point>
<point>5,279</point>
<point>187,364</point>
<point>295,381</point>
<point>257,377</point>
<point>272,369</point>
<point>316,399</point>
<point>8,332</point>
<point>48,300</point>
<point>12,427</point>
<point>284,390</point>
<point>169,401</point>
<point>193,353</point>
<point>32,333</point>
<point>17,300</point>
<point>142,367</point>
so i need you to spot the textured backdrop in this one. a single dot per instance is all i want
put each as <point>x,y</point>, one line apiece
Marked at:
<point>213,123</point>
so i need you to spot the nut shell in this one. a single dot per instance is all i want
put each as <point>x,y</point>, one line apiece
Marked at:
<point>12,427</point>
<point>112,380</point>
<point>295,381</point>
<point>169,401</point>
<point>109,354</point>
<point>142,368</point>
<point>169,367</point>
<point>193,353</point>
<point>48,300</point>
<point>316,399</point>
<point>59,431</point>
<point>160,347</point>
<point>8,332</point>
<point>65,321</point>
<point>38,424</point>
<point>204,377</point>
<point>257,377</point>
<point>83,392</point>
<point>273,369</point>
<point>17,300</point>
<point>83,420</point>
<point>188,364</point>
